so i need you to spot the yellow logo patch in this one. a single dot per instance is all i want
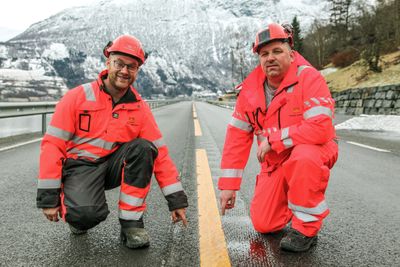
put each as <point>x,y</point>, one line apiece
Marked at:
<point>131,120</point>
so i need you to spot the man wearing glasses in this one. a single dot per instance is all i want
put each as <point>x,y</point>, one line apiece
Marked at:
<point>101,136</point>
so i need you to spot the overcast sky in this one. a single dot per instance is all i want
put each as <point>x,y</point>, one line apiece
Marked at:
<point>17,15</point>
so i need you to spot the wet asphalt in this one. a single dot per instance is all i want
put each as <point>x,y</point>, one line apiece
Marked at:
<point>363,228</point>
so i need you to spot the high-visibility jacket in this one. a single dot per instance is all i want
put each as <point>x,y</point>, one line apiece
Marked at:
<point>85,125</point>
<point>301,112</point>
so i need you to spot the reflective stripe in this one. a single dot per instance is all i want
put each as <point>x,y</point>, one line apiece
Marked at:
<point>87,88</point>
<point>301,68</point>
<point>290,89</point>
<point>288,142</point>
<point>49,183</point>
<point>133,201</point>
<point>307,103</point>
<point>261,138</point>
<point>305,217</point>
<point>243,125</point>
<point>285,133</point>
<point>318,110</point>
<point>324,99</point>
<point>97,142</point>
<point>316,101</point>
<point>159,142</point>
<point>172,188</point>
<point>319,209</point>
<point>232,173</point>
<point>83,153</point>
<point>57,132</point>
<point>269,130</point>
<point>130,215</point>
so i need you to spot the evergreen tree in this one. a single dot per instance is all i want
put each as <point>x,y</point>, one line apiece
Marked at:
<point>298,41</point>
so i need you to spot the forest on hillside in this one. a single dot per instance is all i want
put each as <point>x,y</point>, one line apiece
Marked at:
<point>354,31</point>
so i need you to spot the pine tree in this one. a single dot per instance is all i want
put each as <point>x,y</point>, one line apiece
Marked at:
<point>298,41</point>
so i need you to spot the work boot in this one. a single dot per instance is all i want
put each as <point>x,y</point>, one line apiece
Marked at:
<point>135,237</point>
<point>297,242</point>
<point>76,231</point>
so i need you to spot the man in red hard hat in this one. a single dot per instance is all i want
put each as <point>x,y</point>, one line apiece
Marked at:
<point>287,105</point>
<point>101,136</point>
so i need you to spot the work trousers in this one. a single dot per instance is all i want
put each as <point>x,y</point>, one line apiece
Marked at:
<point>295,191</point>
<point>84,183</point>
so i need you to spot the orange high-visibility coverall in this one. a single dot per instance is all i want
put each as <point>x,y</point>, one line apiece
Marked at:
<point>299,126</point>
<point>86,127</point>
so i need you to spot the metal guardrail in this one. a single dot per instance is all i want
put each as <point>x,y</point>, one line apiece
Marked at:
<point>20,109</point>
<point>225,104</point>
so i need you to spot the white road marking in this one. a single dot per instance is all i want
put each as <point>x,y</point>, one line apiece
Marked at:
<point>20,144</point>
<point>369,147</point>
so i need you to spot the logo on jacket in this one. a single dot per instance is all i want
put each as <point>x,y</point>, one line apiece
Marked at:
<point>131,121</point>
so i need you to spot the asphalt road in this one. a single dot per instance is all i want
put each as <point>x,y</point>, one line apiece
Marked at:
<point>363,228</point>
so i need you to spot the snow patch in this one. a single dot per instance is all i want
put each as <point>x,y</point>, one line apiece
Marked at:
<point>57,51</point>
<point>372,123</point>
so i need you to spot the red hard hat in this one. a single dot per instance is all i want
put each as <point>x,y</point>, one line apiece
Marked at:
<point>128,45</point>
<point>273,32</point>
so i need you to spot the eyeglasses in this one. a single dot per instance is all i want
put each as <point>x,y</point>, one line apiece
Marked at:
<point>119,65</point>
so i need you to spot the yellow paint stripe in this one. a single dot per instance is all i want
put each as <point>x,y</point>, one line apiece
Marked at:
<point>194,112</point>
<point>213,251</point>
<point>197,128</point>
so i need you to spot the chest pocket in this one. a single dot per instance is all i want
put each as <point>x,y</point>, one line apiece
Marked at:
<point>294,105</point>
<point>89,116</point>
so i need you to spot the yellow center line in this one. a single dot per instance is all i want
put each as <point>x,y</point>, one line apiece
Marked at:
<point>213,251</point>
<point>197,128</point>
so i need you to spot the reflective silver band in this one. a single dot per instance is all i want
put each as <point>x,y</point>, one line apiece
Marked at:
<point>288,142</point>
<point>316,101</point>
<point>307,103</point>
<point>319,209</point>
<point>290,89</point>
<point>243,125</point>
<point>133,201</point>
<point>284,133</point>
<point>97,142</point>
<point>172,188</point>
<point>49,183</point>
<point>89,93</point>
<point>305,217</point>
<point>130,215</point>
<point>261,138</point>
<point>301,68</point>
<point>232,173</point>
<point>159,142</point>
<point>318,110</point>
<point>83,153</point>
<point>57,132</point>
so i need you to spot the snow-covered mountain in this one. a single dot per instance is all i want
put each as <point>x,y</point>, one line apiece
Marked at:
<point>193,45</point>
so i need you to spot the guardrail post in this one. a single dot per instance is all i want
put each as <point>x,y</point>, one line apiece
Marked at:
<point>44,123</point>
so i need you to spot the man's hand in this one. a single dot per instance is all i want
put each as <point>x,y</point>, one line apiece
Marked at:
<point>263,149</point>
<point>227,200</point>
<point>179,215</point>
<point>52,214</point>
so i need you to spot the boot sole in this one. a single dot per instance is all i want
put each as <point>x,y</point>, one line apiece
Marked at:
<point>130,245</point>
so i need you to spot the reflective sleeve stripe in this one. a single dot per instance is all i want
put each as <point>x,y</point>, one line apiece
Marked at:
<point>130,215</point>
<point>159,142</point>
<point>232,173</point>
<point>89,93</point>
<point>57,132</point>
<point>261,138</point>
<point>243,125</point>
<point>288,142</point>
<point>301,68</point>
<point>319,209</point>
<point>307,103</point>
<point>318,110</point>
<point>131,200</point>
<point>172,188</point>
<point>49,183</point>
<point>305,217</point>
<point>83,153</point>
<point>284,133</point>
<point>316,101</point>
<point>97,142</point>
